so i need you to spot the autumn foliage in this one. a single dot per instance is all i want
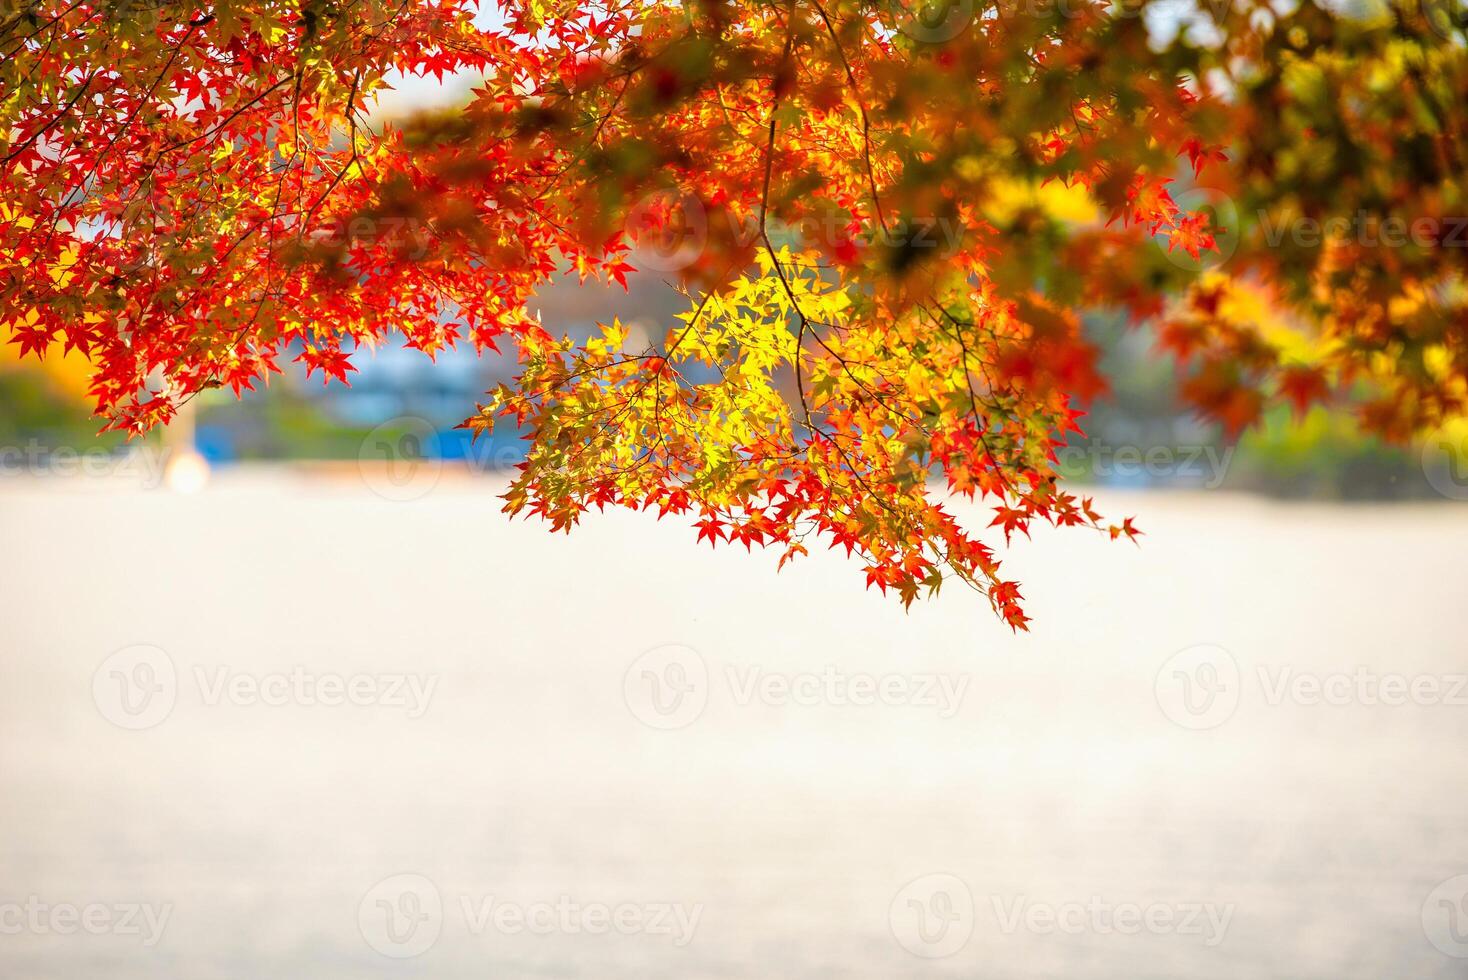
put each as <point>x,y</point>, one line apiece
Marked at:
<point>886,222</point>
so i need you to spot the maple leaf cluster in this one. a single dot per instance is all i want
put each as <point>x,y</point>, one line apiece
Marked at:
<point>189,194</point>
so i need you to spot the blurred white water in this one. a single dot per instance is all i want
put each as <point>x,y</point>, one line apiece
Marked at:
<point>1054,782</point>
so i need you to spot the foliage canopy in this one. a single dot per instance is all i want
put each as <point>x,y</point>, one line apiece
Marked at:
<point>885,220</point>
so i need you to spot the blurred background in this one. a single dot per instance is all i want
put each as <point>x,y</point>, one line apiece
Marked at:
<point>283,693</point>
<point>1136,437</point>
